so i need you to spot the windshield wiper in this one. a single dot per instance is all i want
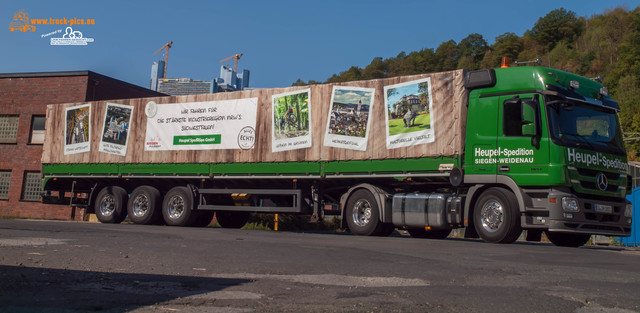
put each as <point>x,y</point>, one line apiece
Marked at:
<point>581,137</point>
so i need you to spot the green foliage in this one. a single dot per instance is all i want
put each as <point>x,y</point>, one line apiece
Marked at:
<point>471,51</point>
<point>291,115</point>
<point>606,44</point>
<point>557,26</point>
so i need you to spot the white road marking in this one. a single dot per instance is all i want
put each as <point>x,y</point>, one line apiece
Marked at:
<point>332,279</point>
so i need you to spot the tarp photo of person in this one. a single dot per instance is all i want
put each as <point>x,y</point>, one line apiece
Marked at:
<point>408,108</point>
<point>116,124</point>
<point>77,125</point>
<point>291,115</point>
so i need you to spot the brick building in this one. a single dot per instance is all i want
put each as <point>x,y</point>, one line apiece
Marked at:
<point>23,101</point>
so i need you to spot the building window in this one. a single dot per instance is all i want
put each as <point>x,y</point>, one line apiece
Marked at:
<point>9,128</point>
<point>5,179</point>
<point>32,186</point>
<point>37,129</point>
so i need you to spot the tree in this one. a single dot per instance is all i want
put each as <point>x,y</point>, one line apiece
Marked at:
<point>507,45</point>
<point>471,51</point>
<point>558,25</point>
<point>447,55</point>
<point>376,69</point>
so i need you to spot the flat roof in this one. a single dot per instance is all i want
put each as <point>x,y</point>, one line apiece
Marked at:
<point>73,73</point>
<point>45,74</point>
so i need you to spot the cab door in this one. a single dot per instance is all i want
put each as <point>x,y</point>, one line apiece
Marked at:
<point>481,139</point>
<point>522,140</point>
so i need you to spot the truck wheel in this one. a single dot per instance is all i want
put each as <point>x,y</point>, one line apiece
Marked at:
<point>204,218</point>
<point>496,216</point>
<point>387,230</point>
<point>177,207</point>
<point>363,215</point>
<point>144,205</point>
<point>429,234</point>
<point>567,239</point>
<point>228,219</point>
<point>110,205</point>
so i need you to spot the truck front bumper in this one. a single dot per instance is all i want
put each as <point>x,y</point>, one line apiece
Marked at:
<point>598,217</point>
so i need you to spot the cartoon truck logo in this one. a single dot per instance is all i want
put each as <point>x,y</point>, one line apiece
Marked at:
<point>21,22</point>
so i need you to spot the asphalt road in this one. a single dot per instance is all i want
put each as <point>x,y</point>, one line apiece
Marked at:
<point>50,266</point>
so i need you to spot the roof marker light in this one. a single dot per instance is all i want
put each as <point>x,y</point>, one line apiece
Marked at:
<point>505,62</point>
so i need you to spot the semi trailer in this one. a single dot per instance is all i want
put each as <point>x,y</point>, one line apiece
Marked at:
<point>493,151</point>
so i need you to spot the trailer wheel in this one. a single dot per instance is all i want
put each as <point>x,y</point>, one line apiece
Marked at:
<point>363,215</point>
<point>496,216</point>
<point>228,219</point>
<point>144,205</point>
<point>567,239</point>
<point>177,207</point>
<point>429,234</point>
<point>110,205</point>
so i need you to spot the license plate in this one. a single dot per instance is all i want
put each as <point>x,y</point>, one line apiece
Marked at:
<point>601,208</point>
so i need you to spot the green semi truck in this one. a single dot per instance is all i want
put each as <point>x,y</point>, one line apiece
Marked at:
<point>494,151</point>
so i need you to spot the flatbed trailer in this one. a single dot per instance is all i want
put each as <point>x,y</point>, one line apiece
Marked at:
<point>429,153</point>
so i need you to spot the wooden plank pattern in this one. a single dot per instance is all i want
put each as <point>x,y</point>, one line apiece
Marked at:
<point>449,117</point>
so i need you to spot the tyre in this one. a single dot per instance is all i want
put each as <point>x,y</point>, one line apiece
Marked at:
<point>567,239</point>
<point>204,218</point>
<point>363,215</point>
<point>429,234</point>
<point>228,219</point>
<point>110,205</point>
<point>387,230</point>
<point>177,207</point>
<point>144,205</point>
<point>496,216</point>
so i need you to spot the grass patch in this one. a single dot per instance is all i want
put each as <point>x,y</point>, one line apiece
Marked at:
<point>422,122</point>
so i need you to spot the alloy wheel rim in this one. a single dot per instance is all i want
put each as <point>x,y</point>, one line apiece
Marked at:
<point>362,213</point>
<point>140,206</point>
<point>492,215</point>
<point>107,205</point>
<point>176,207</point>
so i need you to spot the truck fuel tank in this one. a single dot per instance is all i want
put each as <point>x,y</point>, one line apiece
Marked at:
<point>418,210</point>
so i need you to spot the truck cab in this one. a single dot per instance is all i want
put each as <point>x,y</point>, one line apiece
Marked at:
<point>544,152</point>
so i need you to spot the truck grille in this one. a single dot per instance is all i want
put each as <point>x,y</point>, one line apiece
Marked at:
<point>584,182</point>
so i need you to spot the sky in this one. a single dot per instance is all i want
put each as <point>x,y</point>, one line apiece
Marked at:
<point>281,41</point>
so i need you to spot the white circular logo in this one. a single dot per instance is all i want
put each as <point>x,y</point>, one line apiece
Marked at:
<point>151,109</point>
<point>246,138</point>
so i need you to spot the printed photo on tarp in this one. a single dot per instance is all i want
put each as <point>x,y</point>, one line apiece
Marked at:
<point>115,132</point>
<point>226,124</point>
<point>348,122</point>
<point>77,129</point>
<point>408,110</point>
<point>291,121</point>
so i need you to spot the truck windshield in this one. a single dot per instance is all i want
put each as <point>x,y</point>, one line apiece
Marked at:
<point>577,124</point>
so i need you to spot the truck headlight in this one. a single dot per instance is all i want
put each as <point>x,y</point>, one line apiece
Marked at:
<point>570,204</point>
<point>628,211</point>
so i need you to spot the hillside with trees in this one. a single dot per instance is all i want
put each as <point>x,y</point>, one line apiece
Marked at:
<point>606,45</point>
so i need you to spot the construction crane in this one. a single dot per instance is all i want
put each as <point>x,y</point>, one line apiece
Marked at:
<point>166,56</point>
<point>235,61</point>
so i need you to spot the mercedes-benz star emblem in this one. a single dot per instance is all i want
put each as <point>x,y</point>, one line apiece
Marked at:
<point>601,181</point>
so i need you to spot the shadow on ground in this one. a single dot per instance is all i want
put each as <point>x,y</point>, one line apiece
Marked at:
<point>27,289</point>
